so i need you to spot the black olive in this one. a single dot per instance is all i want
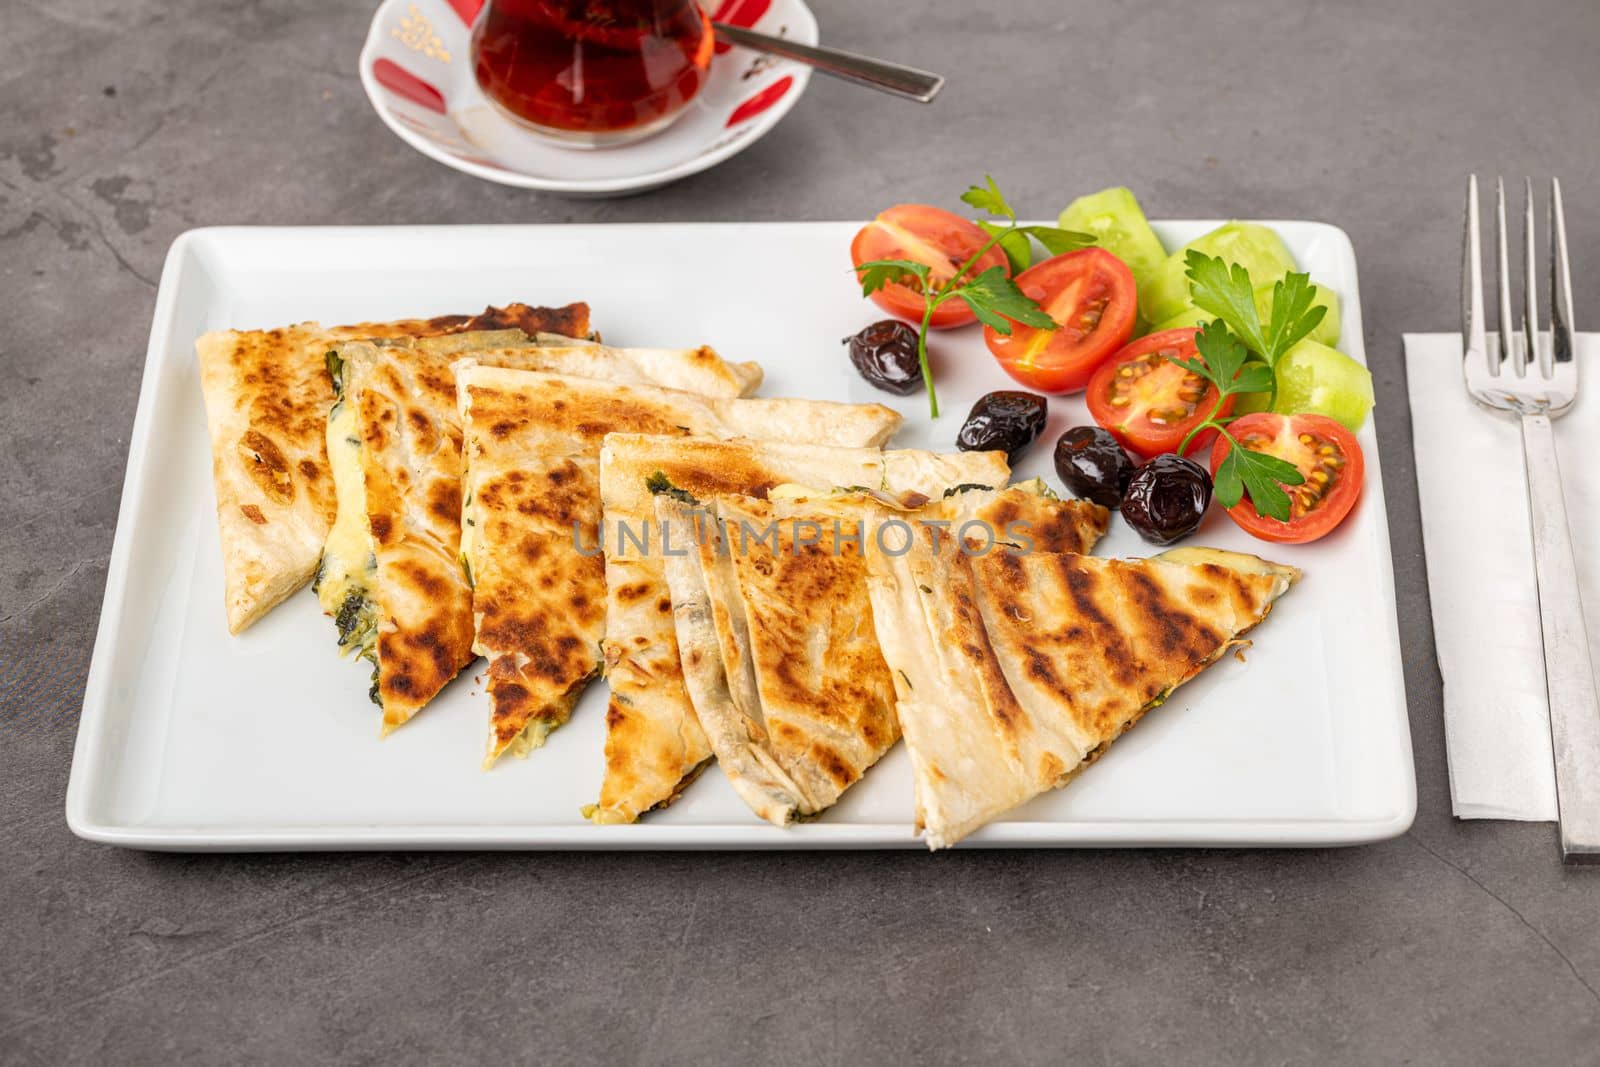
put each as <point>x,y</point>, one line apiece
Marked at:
<point>1093,465</point>
<point>1167,498</point>
<point>1006,421</point>
<point>886,355</point>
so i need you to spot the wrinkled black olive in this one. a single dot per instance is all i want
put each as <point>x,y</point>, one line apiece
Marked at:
<point>886,355</point>
<point>1006,421</point>
<point>1167,498</point>
<point>1092,464</point>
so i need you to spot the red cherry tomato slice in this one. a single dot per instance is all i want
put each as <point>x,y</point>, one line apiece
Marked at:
<point>927,235</point>
<point>1324,452</point>
<point>1148,402</point>
<point>1091,296</point>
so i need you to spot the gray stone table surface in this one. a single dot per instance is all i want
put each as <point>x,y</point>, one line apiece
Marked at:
<point>123,124</point>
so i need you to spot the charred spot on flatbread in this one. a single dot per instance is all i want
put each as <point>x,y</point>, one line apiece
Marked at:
<point>569,321</point>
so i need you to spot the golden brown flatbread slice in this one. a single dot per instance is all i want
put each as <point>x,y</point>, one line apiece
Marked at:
<point>775,635</point>
<point>1015,671</point>
<point>654,743</point>
<point>532,512</point>
<point>1027,517</point>
<point>391,573</point>
<point>775,631</point>
<point>267,395</point>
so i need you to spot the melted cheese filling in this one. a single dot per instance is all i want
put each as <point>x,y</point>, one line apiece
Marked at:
<point>469,550</point>
<point>1242,562</point>
<point>1037,487</point>
<point>532,736</point>
<point>348,563</point>
<point>469,530</point>
<point>1239,562</point>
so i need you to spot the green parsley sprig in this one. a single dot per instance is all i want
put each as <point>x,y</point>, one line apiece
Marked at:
<point>1239,354</point>
<point>1226,364</point>
<point>1226,293</point>
<point>993,297</point>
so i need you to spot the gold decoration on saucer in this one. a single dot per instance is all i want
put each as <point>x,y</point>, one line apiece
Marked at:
<point>416,33</point>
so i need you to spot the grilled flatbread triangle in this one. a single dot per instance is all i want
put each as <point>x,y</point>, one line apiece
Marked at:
<point>391,573</point>
<point>776,636</point>
<point>530,535</point>
<point>1016,671</point>
<point>654,743</point>
<point>267,395</point>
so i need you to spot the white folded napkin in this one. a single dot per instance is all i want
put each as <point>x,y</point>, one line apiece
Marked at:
<point>1480,575</point>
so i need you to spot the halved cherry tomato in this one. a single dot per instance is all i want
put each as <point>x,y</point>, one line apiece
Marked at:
<point>928,235</point>
<point>1090,293</point>
<point>1323,450</point>
<point>1150,403</point>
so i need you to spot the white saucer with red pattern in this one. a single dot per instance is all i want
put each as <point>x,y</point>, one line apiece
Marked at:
<point>417,72</point>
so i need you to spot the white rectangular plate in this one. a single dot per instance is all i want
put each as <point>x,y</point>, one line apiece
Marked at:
<point>192,739</point>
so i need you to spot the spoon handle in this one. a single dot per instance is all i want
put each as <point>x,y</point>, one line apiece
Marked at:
<point>918,85</point>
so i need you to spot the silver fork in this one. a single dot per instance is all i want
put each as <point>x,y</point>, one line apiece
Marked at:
<point>1536,382</point>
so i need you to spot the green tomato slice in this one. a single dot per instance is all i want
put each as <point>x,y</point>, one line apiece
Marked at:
<point>1189,316</point>
<point>1257,248</point>
<point>1119,226</point>
<point>1315,378</point>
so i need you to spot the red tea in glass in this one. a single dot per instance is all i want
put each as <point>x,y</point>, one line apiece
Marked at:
<point>592,74</point>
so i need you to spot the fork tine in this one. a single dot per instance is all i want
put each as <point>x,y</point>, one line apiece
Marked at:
<point>1560,281</point>
<point>1530,286</point>
<point>1472,331</point>
<point>1507,347</point>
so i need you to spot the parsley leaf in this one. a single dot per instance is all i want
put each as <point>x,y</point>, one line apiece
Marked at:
<point>1013,242</point>
<point>1220,359</point>
<point>1253,378</point>
<point>987,198</point>
<point>1260,475</point>
<point>876,273</point>
<point>1227,485</point>
<point>991,295</point>
<point>1057,241</point>
<point>1227,294</point>
<point>1293,317</point>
